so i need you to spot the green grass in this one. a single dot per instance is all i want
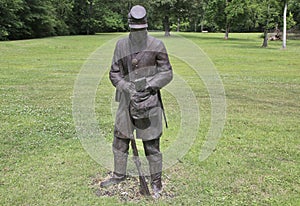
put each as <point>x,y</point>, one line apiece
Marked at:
<point>256,162</point>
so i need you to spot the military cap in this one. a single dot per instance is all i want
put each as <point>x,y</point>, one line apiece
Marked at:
<point>137,17</point>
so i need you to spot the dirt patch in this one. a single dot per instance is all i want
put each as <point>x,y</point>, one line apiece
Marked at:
<point>129,190</point>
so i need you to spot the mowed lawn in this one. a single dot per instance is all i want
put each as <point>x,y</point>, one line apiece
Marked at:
<point>256,162</point>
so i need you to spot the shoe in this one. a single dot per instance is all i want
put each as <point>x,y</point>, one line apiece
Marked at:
<point>112,180</point>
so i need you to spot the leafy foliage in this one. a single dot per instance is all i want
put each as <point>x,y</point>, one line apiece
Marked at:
<point>9,20</point>
<point>21,19</point>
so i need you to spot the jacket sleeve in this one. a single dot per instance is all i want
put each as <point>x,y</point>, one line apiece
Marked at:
<point>116,74</point>
<point>164,69</point>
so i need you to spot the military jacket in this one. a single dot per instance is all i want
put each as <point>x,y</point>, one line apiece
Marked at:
<point>129,64</point>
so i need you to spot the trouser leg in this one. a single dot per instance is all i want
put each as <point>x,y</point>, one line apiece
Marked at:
<point>120,151</point>
<point>154,156</point>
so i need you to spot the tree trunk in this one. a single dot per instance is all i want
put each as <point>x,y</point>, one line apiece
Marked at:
<point>226,33</point>
<point>178,24</point>
<point>202,25</point>
<point>227,24</point>
<point>265,43</point>
<point>284,25</point>
<point>167,26</point>
<point>90,14</point>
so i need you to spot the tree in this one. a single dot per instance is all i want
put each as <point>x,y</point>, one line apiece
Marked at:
<point>91,16</point>
<point>112,21</point>
<point>288,22</point>
<point>216,14</point>
<point>162,9</point>
<point>38,19</point>
<point>192,12</point>
<point>63,15</point>
<point>268,17</point>
<point>294,7</point>
<point>83,17</point>
<point>10,23</point>
<point>227,14</point>
<point>284,24</point>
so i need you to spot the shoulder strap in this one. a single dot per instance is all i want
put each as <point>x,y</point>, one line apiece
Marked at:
<point>162,107</point>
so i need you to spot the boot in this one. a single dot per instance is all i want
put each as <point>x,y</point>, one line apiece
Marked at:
<point>155,166</point>
<point>119,174</point>
<point>114,179</point>
<point>156,184</point>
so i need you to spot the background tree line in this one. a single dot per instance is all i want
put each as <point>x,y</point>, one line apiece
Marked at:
<point>23,19</point>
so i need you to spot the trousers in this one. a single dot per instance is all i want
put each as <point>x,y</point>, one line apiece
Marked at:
<point>152,152</point>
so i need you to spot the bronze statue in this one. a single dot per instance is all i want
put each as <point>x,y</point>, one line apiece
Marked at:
<point>140,68</point>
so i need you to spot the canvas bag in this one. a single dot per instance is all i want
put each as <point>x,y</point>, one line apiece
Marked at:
<point>142,104</point>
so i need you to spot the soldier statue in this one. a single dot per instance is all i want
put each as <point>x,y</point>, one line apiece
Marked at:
<point>140,68</point>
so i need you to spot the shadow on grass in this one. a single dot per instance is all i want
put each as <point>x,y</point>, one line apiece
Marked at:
<point>217,37</point>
